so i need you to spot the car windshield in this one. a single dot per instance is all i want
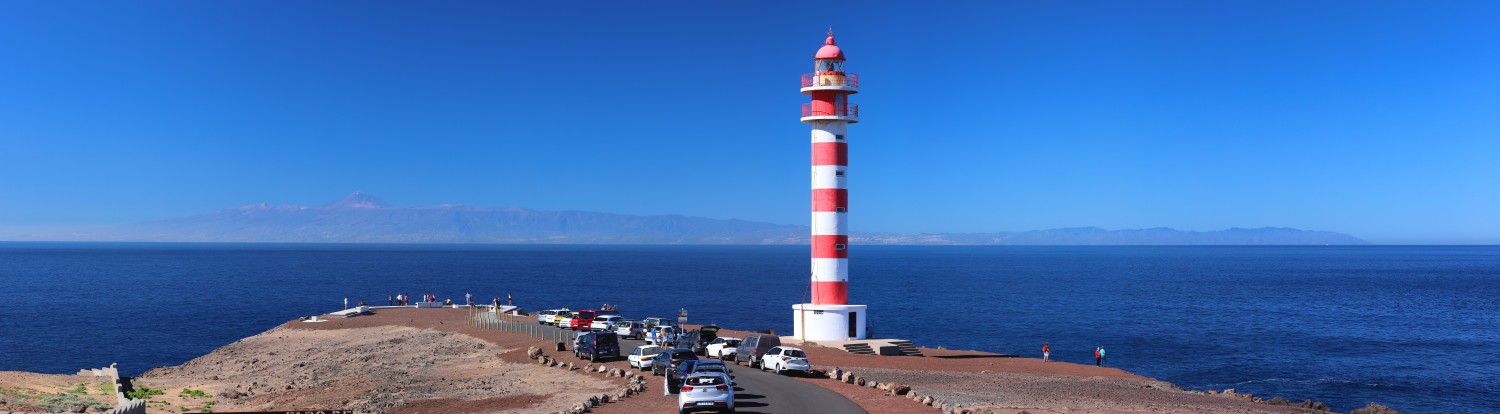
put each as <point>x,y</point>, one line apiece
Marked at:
<point>586,314</point>
<point>606,340</point>
<point>705,380</point>
<point>684,354</point>
<point>732,342</point>
<point>795,353</point>
<point>649,350</point>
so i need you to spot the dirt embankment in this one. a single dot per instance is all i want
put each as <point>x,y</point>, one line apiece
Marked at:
<point>32,392</point>
<point>403,360</point>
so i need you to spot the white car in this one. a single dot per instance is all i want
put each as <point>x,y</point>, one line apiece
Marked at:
<point>605,322</point>
<point>785,358</point>
<point>641,357</point>
<point>722,347</point>
<point>565,319</point>
<point>705,392</point>
<point>546,317</point>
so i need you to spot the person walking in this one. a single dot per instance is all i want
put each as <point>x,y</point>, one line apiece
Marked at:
<point>1046,352</point>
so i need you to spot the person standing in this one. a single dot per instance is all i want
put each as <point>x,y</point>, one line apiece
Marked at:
<point>1046,352</point>
<point>390,300</point>
<point>468,299</point>
<point>1101,355</point>
<point>346,302</point>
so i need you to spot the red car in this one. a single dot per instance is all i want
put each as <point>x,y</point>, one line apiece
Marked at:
<point>582,320</point>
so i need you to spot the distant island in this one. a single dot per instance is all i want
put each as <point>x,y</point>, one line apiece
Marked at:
<point>363,218</point>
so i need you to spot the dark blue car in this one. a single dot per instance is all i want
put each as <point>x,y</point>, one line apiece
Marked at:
<point>596,346</point>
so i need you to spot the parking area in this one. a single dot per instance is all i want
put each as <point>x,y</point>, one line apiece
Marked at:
<point>753,390</point>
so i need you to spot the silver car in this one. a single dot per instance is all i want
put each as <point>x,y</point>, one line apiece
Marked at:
<point>709,391</point>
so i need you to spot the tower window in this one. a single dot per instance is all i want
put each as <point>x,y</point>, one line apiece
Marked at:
<point>839,137</point>
<point>839,210</point>
<point>838,173</point>
<point>838,247</point>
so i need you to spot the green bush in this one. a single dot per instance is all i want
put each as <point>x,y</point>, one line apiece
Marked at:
<point>144,393</point>
<point>189,392</point>
<point>69,403</point>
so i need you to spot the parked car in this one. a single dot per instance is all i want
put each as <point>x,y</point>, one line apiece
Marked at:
<point>597,346</point>
<point>668,360</point>
<point>700,366</point>
<point>605,322</point>
<point>705,392</point>
<point>692,340</point>
<point>709,332</point>
<point>641,357</point>
<point>582,320</point>
<point>577,337</point>
<point>655,322</point>
<point>784,358</point>
<point>563,319</point>
<point>721,347</point>
<point>547,317</point>
<point>754,346</point>
<point>630,329</point>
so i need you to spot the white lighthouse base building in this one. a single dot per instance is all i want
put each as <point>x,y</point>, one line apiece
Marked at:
<point>828,322</point>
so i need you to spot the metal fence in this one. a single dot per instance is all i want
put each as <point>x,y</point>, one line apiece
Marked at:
<point>525,325</point>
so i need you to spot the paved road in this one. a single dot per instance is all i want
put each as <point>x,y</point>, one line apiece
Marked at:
<point>759,391</point>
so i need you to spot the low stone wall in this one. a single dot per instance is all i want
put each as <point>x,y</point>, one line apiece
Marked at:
<point>123,404</point>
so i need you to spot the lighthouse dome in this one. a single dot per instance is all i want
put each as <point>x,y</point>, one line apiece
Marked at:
<point>829,50</point>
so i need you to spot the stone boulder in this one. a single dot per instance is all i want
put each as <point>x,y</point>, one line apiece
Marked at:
<point>533,352</point>
<point>1374,408</point>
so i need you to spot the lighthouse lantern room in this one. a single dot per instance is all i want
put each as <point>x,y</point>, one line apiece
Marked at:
<point>829,316</point>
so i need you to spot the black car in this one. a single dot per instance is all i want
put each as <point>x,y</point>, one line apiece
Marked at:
<point>690,367</point>
<point>596,346</point>
<point>669,359</point>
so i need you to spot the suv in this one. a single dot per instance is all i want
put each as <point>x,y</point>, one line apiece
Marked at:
<point>595,346</point>
<point>691,340</point>
<point>605,322</point>
<point>581,321</point>
<point>754,346</point>
<point>785,358</point>
<point>547,317</point>
<point>722,347</point>
<point>630,330</point>
<point>669,359</point>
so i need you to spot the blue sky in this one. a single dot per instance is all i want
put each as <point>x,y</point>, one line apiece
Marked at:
<point>1376,118</point>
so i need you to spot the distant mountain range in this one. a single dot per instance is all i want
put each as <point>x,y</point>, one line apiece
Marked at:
<point>363,218</point>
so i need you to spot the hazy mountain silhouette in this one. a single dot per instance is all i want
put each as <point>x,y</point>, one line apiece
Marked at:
<point>363,218</point>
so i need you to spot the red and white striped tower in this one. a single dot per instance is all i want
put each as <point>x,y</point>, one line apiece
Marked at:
<point>830,316</point>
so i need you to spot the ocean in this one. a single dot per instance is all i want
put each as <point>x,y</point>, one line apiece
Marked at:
<point>1415,328</point>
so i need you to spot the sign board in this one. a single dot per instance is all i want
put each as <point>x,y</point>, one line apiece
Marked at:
<point>681,316</point>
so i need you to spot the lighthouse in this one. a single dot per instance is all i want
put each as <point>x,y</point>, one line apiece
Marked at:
<point>829,316</point>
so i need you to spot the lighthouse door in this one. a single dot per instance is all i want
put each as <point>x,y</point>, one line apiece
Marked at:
<point>841,105</point>
<point>853,324</point>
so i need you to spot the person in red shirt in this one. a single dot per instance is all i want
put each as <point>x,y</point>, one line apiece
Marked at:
<point>1046,352</point>
<point>1098,357</point>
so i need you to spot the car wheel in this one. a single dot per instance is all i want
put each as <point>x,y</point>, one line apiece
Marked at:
<point>778,369</point>
<point>593,358</point>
